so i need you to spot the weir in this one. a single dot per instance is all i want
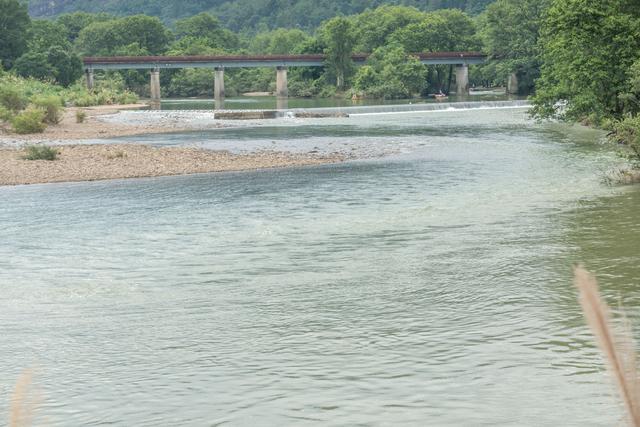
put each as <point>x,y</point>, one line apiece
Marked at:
<point>281,63</point>
<point>338,112</point>
<point>407,108</point>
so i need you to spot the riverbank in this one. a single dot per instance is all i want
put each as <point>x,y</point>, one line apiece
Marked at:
<point>99,123</point>
<point>114,161</point>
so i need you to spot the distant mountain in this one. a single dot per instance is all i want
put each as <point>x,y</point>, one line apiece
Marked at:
<point>244,14</point>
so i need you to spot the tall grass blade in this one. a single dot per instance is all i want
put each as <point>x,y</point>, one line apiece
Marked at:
<point>22,402</point>
<point>618,348</point>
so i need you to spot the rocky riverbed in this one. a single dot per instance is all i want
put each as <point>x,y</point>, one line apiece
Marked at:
<point>84,156</point>
<point>111,161</point>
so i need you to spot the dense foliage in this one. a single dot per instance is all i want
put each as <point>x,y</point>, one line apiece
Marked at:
<point>14,24</point>
<point>251,15</point>
<point>510,32</point>
<point>53,47</point>
<point>404,27</point>
<point>590,54</point>
<point>588,47</point>
<point>29,104</point>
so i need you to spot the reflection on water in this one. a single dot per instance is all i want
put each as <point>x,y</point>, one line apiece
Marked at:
<point>428,288</point>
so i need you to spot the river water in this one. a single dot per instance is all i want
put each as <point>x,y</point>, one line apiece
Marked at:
<point>431,286</point>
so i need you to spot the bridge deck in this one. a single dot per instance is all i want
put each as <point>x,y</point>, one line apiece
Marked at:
<point>250,61</point>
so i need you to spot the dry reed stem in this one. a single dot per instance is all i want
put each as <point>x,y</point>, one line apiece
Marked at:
<point>22,402</point>
<point>618,348</point>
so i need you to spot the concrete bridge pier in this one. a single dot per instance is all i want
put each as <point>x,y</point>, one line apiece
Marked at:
<point>462,79</point>
<point>90,81</point>
<point>512,84</point>
<point>155,88</point>
<point>282,90</point>
<point>218,85</point>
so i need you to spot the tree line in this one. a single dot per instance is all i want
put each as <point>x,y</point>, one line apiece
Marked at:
<point>246,15</point>
<point>51,49</point>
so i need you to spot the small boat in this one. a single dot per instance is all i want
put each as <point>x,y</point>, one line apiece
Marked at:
<point>440,96</point>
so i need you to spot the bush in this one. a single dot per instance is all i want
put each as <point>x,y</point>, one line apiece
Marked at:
<point>34,64</point>
<point>301,89</point>
<point>40,152</point>
<point>29,121</point>
<point>80,116</point>
<point>11,98</point>
<point>390,89</point>
<point>5,114</point>
<point>83,98</point>
<point>52,107</point>
<point>627,132</point>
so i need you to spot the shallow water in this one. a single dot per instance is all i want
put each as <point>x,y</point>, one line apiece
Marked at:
<point>427,287</point>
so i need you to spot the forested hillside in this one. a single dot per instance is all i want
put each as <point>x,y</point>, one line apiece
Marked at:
<point>245,14</point>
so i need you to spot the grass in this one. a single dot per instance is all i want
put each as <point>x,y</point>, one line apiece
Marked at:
<point>21,97</point>
<point>52,107</point>
<point>5,114</point>
<point>12,97</point>
<point>30,120</point>
<point>81,116</point>
<point>23,402</point>
<point>117,155</point>
<point>16,92</point>
<point>616,345</point>
<point>40,152</point>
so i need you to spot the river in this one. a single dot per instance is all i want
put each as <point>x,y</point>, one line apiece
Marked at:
<point>430,286</point>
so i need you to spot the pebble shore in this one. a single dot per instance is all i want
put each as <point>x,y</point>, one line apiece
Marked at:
<point>113,161</point>
<point>83,157</point>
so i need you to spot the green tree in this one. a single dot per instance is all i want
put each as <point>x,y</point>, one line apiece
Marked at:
<point>391,73</point>
<point>34,64</point>
<point>373,27</point>
<point>44,34</point>
<point>67,66</point>
<point>208,27</point>
<point>76,22</point>
<point>338,37</point>
<point>280,41</point>
<point>194,46</point>
<point>246,15</point>
<point>441,31</point>
<point>510,31</point>
<point>104,38</point>
<point>588,49</point>
<point>14,23</point>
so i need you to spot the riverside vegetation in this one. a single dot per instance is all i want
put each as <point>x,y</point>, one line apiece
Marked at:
<point>51,48</point>
<point>29,104</point>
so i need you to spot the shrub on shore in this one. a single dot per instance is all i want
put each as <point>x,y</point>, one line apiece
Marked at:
<point>40,152</point>
<point>15,92</point>
<point>52,107</point>
<point>30,120</point>
<point>84,98</point>
<point>627,132</point>
<point>5,114</point>
<point>80,116</point>
<point>12,98</point>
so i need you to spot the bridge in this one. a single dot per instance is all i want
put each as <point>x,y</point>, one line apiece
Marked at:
<point>281,63</point>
